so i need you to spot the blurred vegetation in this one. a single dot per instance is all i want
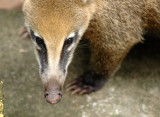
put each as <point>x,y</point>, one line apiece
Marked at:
<point>1,100</point>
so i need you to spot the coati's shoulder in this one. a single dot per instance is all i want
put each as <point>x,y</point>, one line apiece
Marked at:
<point>118,11</point>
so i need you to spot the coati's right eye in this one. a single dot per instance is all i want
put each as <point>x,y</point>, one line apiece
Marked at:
<point>39,41</point>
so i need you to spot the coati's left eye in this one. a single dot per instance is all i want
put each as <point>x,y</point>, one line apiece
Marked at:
<point>68,41</point>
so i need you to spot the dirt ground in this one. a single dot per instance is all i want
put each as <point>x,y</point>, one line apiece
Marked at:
<point>133,92</point>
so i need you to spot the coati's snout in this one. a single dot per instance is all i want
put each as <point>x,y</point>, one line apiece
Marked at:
<point>52,92</point>
<point>54,57</point>
<point>53,85</point>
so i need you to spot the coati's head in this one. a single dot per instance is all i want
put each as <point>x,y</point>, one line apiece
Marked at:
<point>56,27</point>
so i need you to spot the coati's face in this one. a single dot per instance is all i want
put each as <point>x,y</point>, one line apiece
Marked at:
<point>56,27</point>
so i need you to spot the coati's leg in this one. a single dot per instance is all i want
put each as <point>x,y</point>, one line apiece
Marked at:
<point>104,63</point>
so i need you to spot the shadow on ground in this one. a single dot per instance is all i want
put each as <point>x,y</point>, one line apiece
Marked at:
<point>133,92</point>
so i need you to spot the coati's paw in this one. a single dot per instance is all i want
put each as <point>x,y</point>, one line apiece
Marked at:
<point>86,83</point>
<point>24,32</point>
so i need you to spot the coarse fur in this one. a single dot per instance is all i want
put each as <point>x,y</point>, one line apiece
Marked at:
<point>112,28</point>
<point>118,25</point>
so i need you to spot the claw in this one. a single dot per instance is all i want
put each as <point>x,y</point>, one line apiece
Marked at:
<point>72,87</point>
<point>83,92</point>
<point>85,84</point>
<point>76,91</point>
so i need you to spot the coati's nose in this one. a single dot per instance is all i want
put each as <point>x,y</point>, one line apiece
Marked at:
<point>53,96</point>
<point>52,93</point>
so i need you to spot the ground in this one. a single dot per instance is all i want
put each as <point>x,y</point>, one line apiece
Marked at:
<point>133,92</point>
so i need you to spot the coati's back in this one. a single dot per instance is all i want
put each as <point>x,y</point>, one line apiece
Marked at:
<point>148,12</point>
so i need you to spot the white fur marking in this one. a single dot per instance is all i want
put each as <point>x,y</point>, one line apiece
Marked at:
<point>37,46</point>
<point>37,35</point>
<point>28,29</point>
<point>70,47</point>
<point>71,35</point>
<point>81,31</point>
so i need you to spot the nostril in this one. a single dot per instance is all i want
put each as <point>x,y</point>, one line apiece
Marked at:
<point>46,94</point>
<point>60,94</point>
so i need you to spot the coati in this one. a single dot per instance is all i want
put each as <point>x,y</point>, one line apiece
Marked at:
<point>112,27</point>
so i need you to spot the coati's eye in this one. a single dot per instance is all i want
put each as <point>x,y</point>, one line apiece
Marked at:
<point>39,41</point>
<point>68,41</point>
<point>71,38</point>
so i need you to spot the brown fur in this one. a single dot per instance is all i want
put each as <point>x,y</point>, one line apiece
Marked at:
<point>116,27</point>
<point>112,27</point>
